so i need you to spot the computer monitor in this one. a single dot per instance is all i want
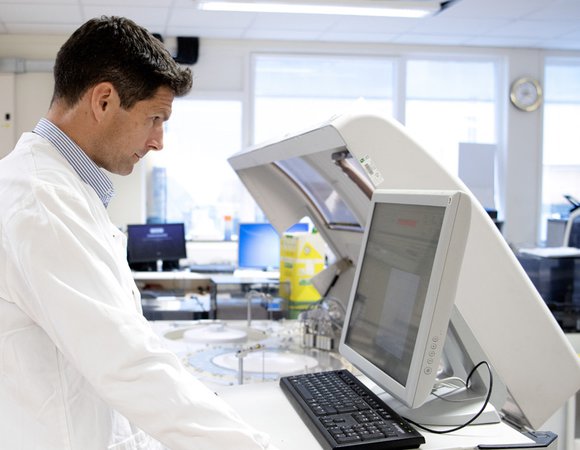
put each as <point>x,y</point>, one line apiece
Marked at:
<point>259,245</point>
<point>404,289</point>
<point>152,245</point>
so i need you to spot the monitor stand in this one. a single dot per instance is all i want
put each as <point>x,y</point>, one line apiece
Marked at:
<point>452,407</point>
<point>450,403</point>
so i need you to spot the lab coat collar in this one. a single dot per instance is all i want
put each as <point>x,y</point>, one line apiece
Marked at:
<point>87,170</point>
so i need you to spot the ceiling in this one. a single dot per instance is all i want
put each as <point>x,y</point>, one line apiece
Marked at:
<point>546,24</point>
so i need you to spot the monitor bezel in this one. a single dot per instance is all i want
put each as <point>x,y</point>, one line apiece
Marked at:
<point>439,301</point>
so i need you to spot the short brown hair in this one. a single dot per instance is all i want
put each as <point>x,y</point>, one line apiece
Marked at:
<point>116,50</point>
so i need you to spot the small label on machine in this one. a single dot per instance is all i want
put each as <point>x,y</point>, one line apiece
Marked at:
<point>371,169</point>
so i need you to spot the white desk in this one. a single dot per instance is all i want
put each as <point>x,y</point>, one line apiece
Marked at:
<point>178,275</point>
<point>265,406</point>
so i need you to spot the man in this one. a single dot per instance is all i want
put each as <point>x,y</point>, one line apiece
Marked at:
<point>79,366</point>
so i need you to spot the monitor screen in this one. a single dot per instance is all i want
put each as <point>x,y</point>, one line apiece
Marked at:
<point>148,243</point>
<point>259,245</point>
<point>404,289</point>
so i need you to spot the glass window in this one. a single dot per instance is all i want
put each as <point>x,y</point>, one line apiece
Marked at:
<point>191,180</point>
<point>323,194</point>
<point>451,102</point>
<point>561,157</point>
<point>292,92</point>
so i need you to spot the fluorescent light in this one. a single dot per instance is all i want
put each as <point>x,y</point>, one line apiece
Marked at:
<point>411,9</point>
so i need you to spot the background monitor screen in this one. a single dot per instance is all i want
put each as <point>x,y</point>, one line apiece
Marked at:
<point>404,290</point>
<point>148,243</point>
<point>259,245</point>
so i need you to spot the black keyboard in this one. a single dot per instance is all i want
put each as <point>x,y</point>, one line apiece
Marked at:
<point>344,414</point>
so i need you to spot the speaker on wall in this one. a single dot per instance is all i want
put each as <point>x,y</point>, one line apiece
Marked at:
<point>187,50</point>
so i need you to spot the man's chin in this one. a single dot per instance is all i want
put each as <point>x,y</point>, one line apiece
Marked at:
<point>126,171</point>
<point>122,171</point>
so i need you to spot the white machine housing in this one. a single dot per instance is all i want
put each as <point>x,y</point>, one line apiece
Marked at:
<point>336,166</point>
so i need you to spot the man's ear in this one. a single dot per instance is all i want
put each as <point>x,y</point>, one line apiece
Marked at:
<point>104,99</point>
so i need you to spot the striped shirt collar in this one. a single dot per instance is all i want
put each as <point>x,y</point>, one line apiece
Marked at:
<point>87,170</point>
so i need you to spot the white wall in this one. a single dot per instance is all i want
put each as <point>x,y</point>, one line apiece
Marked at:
<point>7,109</point>
<point>224,66</point>
<point>33,94</point>
<point>523,158</point>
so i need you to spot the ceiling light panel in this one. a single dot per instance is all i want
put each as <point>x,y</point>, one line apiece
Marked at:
<point>376,8</point>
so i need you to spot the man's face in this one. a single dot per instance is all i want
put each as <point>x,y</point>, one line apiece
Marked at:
<point>128,135</point>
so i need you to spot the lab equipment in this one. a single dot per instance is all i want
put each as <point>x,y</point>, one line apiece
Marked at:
<point>322,324</point>
<point>328,173</point>
<point>555,272</point>
<point>153,247</point>
<point>573,201</point>
<point>344,414</point>
<point>572,230</point>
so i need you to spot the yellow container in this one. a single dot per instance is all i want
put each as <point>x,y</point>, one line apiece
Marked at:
<point>301,257</point>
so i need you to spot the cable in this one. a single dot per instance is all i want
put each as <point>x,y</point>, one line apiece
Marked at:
<point>470,421</point>
<point>450,382</point>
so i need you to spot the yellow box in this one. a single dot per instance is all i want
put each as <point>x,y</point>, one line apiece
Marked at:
<point>301,257</point>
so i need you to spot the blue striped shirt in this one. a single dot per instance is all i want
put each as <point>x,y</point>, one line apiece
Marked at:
<point>87,170</point>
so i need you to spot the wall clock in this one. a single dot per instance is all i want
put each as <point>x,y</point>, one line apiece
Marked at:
<point>526,94</point>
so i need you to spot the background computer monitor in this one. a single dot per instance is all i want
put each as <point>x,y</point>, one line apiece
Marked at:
<point>404,289</point>
<point>149,243</point>
<point>259,245</point>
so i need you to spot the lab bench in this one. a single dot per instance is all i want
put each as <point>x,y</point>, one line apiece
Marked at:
<point>184,295</point>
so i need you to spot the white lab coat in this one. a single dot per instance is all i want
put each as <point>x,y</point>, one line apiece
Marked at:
<point>76,355</point>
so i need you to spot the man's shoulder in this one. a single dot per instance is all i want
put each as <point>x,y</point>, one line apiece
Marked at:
<point>35,156</point>
<point>32,167</point>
